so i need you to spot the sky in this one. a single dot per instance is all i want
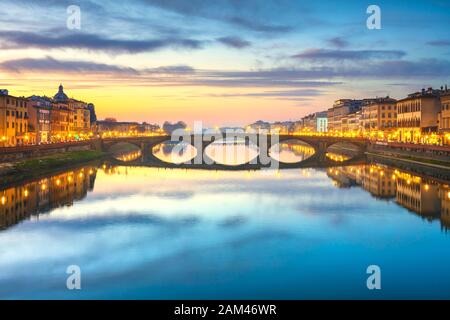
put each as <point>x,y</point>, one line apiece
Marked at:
<point>223,62</point>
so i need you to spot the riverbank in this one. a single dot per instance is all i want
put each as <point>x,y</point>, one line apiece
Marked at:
<point>31,168</point>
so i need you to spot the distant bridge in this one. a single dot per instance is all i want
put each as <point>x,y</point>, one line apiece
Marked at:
<point>320,144</point>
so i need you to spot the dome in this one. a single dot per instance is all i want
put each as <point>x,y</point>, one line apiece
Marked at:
<point>61,96</point>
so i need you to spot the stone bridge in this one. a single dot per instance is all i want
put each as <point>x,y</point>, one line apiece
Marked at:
<point>263,142</point>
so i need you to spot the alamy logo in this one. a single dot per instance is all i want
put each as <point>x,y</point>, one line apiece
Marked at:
<point>374,20</point>
<point>74,279</point>
<point>374,280</point>
<point>74,18</point>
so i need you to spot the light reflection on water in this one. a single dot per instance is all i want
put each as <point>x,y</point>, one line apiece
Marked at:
<point>291,151</point>
<point>156,233</point>
<point>175,152</point>
<point>232,152</point>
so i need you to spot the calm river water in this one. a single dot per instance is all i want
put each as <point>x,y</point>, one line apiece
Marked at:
<point>138,233</point>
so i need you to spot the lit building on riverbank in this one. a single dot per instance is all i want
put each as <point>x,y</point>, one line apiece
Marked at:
<point>321,122</point>
<point>341,109</point>
<point>81,119</point>
<point>444,116</point>
<point>379,118</point>
<point>39,109</point>
<point>13,120</point>
<point>60,118</point>
<point>351,123</point>
<point>315,122</point>
<point>417,116</point>
<point>112,128</point>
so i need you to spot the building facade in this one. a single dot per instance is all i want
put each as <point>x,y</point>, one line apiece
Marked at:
<point>341,109</point>
<point>13,121</point>
<point>39,109</point>
<point>321,122</point>
<point>444,116</point>
<point>417,116</point>
<point>351,123</point>
<point>81,118</point>
<point>379,118</point>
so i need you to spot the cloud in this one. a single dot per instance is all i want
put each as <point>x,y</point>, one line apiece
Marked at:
<point>17,39</point>
<point>439,43</point>
<point>288,95</point>
<point>338,42</point>
<point>325,54</point>
<point>49,64</point>
<point>178,70</point>
<point>250,15</point>
<point>234,42</point>
<point>299,78</point>
<point>257,26</point>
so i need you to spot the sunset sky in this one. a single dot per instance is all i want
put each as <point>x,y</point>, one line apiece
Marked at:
<point>225,62</point>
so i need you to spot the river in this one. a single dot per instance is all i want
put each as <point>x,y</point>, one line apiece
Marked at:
<point>154,233</point>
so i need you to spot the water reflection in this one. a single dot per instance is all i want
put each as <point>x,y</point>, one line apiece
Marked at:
<point>175,152</point>
<point>129,156</point>
<point>424,196</point>
<point>337,157</point>
<point>41,196</point>
<point>159,233</point>
<point>232,152</point>
<point>291,151</point>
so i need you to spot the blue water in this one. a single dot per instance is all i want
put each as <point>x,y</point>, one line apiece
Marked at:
<point>145,233</point>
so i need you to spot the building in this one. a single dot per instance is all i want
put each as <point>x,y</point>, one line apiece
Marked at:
<point>351,123</point>
<point>315,122</point>
<point>259,126</point>
<point>341,109</point>
<point>321,122</point>
<point>81,118</point>
<point>379,118</point>
<point>309,123</point>
<point>285,127</point>
<point>39,125</point>
<point>111,127</point>
<point>417,115</point>
<point>13,121</point>
<point>148,128</point>
<point>444,116</point>
<point>92,114</point>
<point>62,117</point>
<point>297,126</point>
